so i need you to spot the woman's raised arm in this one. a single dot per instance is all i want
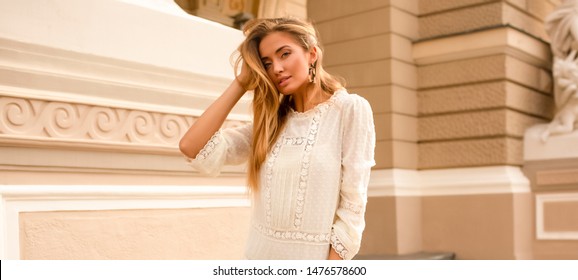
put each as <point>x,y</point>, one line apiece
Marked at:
<point>212,119</point>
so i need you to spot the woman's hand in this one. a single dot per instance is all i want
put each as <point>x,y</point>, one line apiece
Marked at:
<point>243,77</point>
<point>333,255</point>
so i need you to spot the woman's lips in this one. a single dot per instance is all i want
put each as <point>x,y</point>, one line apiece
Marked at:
<point>284,81</point>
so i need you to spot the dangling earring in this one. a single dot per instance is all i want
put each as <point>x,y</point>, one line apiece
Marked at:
<point>312,72</point>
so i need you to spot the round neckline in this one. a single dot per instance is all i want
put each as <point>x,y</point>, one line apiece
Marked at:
<point>316,107</point>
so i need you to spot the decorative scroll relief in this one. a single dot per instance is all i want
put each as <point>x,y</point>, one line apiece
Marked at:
<point>72,121</point>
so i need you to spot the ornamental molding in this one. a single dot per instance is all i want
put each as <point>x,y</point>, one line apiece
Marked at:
<point>34,119</point>
<point>542,233</point>
<point>445,182</point>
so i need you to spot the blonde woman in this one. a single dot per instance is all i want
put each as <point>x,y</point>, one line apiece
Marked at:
<point>310,147</point>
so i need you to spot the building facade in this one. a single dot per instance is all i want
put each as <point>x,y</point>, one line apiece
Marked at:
<point>95,96</point>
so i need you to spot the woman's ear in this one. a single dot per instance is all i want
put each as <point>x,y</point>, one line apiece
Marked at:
<point>313,55</point>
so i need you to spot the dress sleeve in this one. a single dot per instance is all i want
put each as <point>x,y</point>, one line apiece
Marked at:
<point>229,146</point>
<point>357,159</point>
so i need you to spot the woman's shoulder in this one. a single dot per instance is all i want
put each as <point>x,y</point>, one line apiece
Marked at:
<point>351,101</point>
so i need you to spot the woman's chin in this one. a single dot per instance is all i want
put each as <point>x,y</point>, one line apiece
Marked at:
<point>285,91</point>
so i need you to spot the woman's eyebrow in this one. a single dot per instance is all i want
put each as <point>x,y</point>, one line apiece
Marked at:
<point>277,51</point>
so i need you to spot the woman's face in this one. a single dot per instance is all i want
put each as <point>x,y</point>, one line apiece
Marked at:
<point>286,62</point>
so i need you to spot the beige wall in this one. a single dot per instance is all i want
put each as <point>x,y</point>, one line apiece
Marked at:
<point>393,226</point>
<point>454,86</point>
<point>483,79</point>
<point>280,8</point>
<point>556,228</point>
<point>495,226</point>
<point>447,17</point>
<point>555,185</point>
<point>475,103</point>
<point>134,234</point>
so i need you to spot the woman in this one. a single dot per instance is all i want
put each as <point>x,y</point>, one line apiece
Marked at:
<point>309,149</point>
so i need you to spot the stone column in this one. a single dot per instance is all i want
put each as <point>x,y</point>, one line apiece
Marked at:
<point>551,151</point>
<point>483,78</point>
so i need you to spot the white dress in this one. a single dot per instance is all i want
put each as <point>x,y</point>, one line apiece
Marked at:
<point>313,183</point>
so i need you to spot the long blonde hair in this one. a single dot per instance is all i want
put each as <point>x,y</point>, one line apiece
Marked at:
<point>270,107</point>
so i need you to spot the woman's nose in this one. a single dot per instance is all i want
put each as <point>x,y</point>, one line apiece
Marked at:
<point>277,67</point>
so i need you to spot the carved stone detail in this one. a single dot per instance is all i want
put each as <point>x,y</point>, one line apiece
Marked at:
<point>75,121</point>
<point>562,27</point>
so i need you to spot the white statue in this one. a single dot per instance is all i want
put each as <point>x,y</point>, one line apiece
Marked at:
<point>562,26</point>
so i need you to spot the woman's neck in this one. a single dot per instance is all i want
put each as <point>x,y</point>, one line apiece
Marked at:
<point>309,98</point>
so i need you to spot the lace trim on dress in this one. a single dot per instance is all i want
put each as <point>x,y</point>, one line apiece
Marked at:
<point>209,147</point>
<point>304,174</point>
<point>336,95</point>
<point>293,235</point>
<point>351,207</point>
<point>270,163</point>
<point>338,246</point>
<point>294,141</point>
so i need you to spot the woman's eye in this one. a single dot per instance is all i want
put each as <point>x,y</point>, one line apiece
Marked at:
<point>266,65</point>
<point>285,54</point>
